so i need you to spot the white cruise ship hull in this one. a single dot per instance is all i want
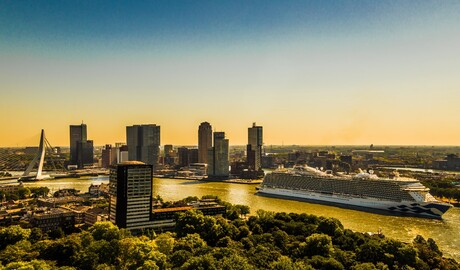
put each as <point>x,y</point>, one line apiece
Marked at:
<point>424,209</point>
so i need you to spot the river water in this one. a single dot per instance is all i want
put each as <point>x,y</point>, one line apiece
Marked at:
<point>445,232</point>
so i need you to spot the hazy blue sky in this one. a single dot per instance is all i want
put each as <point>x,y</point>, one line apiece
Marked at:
<point>310,72</point>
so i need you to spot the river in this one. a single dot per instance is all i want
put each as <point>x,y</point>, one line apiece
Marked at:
<point>445,232</point>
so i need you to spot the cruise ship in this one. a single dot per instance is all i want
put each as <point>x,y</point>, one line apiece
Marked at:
<point>394,194</point>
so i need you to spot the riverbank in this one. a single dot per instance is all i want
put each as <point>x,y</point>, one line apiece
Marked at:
<point>445,232</point>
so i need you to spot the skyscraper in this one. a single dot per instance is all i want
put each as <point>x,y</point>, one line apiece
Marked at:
<point>81,150</point>
<point>204,141</point>
<point>218,161</point>
<point>130,189</point>
<point>144,143</point>
<point>254,147</point>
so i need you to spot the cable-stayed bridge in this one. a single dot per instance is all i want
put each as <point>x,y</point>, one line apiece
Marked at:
<point>14,159</point>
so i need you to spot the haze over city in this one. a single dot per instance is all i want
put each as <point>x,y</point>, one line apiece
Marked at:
<point>325,72</point>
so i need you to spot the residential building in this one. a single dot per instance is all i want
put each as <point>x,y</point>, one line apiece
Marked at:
<point>52,219</point>
<point>94,215</point>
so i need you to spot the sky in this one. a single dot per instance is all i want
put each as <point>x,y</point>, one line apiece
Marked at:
<point>310,72</point>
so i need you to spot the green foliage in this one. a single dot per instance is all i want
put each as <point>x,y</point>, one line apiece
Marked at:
<point>317,244</point>
<point>105,230</point>
<point>319,262</point>
<point>165,243</point>
<point>20,251</point>
<point>12,234</point>
<point>32,265</point>
<point>265,241</point>
<point>39,191</point>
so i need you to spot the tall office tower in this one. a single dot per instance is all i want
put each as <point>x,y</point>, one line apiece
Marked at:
<point>144,143</point>
<point>204,141</point>
<point>85,150</point>
<point>81,150</point>
<point>218,164</point>
<point>130,190</point>
<point>254,147</point>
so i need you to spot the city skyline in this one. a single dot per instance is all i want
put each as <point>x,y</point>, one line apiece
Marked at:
<point>312,73</point>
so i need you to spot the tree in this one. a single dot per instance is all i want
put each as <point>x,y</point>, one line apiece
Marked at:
<point>165,243</point>
<point>319,262</point>
<point>136,251</point>
<point>32,265</point>
<point>189,222</point>
<point>317,244</point>
<point>234,262</point>
<point>364,266</point>
<point>371,252</point>
<point>20,251</point>
<point>329,226</point>
<point>36,235</point>
<point>105,230</point>
<point>23,192</point>
<point>201,262</point>
<point>285,263</point>
<point>179,257</point>
<point>191,243</point>
<point>12,234</point>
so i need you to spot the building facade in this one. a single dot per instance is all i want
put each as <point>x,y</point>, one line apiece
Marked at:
<point>254,147</point>
<point>204,141</point>
<point>218,157</point>
<point>81,149</point>
<point>144,143</point>
<point>109,156</point>
<point>183,155</point>
<point>130,189</point>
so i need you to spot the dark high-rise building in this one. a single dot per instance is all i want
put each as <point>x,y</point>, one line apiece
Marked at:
<point>130,189</point>
<point>193,156</point>
<point>81,150</point>
<point>254,147</point>
<point>218,157</point>
<point>204,141</point>
<point>183,154</point>
<point>144,143</point>
<point>85,150</point>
